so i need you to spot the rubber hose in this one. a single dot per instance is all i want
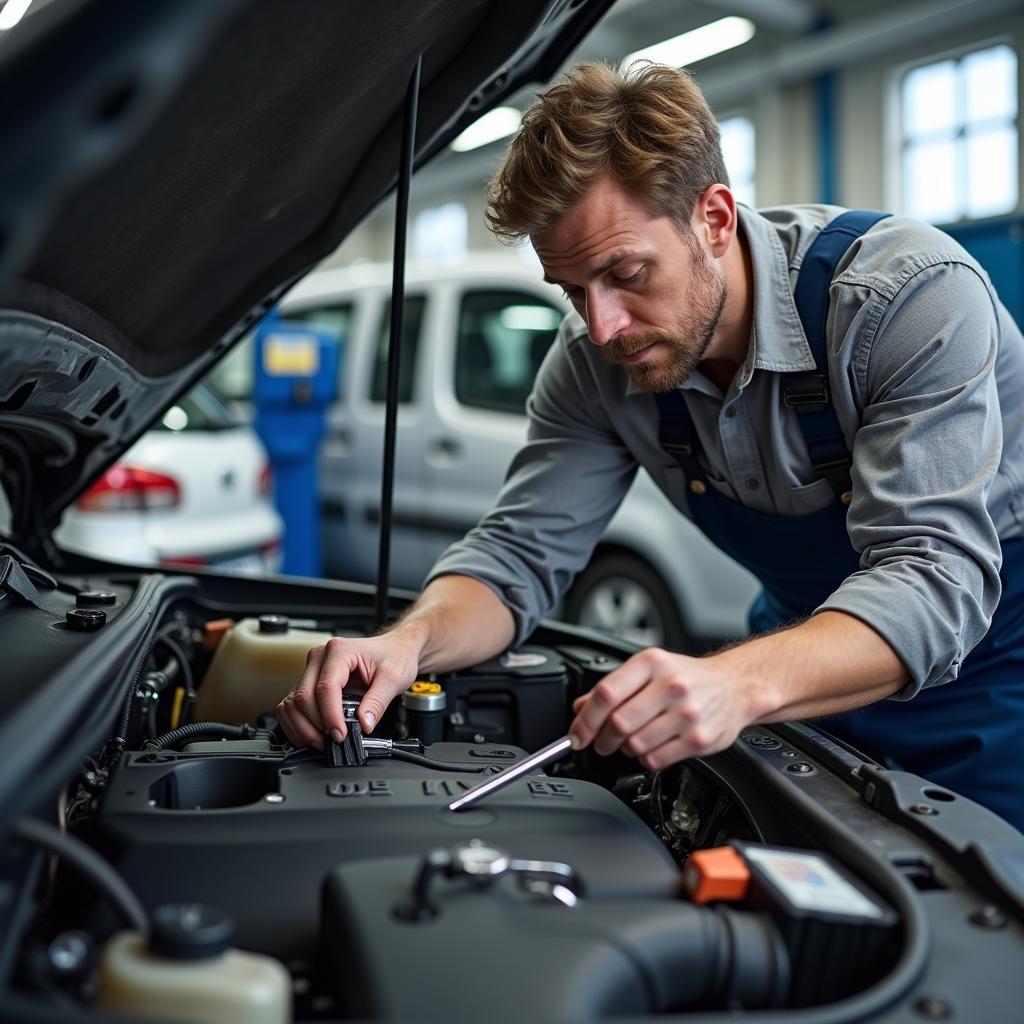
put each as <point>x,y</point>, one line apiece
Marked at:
<point>215,730</point>
<point>88,863</point>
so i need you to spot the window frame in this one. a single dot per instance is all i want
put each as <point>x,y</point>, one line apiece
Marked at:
<point>895,140</point>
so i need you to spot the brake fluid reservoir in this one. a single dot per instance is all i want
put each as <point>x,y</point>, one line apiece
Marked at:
<point>256,663</point>
<point>186,971</point>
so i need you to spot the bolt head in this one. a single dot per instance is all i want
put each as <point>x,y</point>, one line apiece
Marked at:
<point>933,1008</point>
<point>989,917</point>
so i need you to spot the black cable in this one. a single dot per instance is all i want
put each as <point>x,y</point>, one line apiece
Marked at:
<point>88,863</point>
<point>179,656</point>
<point>120,738</point>
<point>16,450</point>
<point>429,762</point>
<point>215,730</point>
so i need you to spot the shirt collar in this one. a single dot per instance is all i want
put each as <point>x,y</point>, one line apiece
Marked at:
<point>777,341</point>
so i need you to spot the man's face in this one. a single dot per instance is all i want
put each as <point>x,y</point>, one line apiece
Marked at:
<point>651,297</point>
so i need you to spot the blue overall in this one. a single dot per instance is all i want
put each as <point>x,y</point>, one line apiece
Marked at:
<point>966,734</point>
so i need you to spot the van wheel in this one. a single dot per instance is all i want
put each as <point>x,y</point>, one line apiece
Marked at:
<point>622,595</point>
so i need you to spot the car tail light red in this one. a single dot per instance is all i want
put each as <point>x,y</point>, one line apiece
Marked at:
<point>131,489</point>
<point>266,480</point>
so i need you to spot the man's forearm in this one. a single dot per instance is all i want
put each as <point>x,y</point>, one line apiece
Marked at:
<point>457,621</point>
<point>833,662</point>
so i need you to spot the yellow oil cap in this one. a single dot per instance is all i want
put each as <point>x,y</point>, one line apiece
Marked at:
<point>423,687</point>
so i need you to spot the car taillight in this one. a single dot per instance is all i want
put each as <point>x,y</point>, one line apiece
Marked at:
<point>131,489</point>
<point>266,481</point>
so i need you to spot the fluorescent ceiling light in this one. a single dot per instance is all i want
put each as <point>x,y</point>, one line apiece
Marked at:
<point>494,125</point>
<point>12,12</point>
<point>693,46</point>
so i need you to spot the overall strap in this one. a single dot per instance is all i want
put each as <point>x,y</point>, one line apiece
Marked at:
<point>678,436</point>
<point>808,393</point>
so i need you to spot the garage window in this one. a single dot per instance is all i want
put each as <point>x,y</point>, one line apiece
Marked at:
<point>958,128</point>
<point>503,337</point>
<point>738,151</point>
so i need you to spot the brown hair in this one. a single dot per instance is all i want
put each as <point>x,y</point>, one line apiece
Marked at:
<point>650,126</point>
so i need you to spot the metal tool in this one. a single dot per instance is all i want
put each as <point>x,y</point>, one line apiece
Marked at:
<point>552,752</point>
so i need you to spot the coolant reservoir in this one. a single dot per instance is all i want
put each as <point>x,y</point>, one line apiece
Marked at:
<point>186,971</point>
<point>256,663</point>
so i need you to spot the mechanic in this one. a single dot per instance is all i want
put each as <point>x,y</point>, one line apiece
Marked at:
<point>839,419</point>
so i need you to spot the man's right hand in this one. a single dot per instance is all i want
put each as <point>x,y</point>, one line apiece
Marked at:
<point>382,666</point>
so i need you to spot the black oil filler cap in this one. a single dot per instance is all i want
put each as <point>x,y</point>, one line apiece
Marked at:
<point>190,931</point>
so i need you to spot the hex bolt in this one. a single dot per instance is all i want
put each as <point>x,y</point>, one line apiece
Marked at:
<point>989,917</point>
<point>800,768</point>
<point>762,742</point>
<point>923,809</point>
<point>274,798</point>
<point>933,1008</point>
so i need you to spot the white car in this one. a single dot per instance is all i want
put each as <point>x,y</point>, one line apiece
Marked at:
<point>196,490</point>
<point>474,336</point>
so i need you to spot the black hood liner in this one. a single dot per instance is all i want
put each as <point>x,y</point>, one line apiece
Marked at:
<point>283,138</point>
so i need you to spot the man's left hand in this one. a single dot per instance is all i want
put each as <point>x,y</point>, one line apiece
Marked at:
<point>661,708</point>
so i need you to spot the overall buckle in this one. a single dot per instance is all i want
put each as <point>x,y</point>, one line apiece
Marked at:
<point>807,392</point>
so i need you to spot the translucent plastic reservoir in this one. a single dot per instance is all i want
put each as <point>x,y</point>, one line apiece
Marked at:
<point>234,987</point>
<point>253,668</point>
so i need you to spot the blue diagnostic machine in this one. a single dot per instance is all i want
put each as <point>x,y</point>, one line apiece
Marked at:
<point>295,380</point>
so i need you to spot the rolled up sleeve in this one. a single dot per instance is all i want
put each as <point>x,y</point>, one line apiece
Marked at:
<point>561,490</point>
<point>924,459</point>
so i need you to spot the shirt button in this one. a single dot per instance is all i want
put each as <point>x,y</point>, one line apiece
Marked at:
<point>752,483</point>
<point>730,412</point>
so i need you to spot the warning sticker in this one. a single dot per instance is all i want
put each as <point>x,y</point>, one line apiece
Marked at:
<point>811,883</point>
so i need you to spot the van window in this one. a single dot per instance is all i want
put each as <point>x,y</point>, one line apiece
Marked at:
<point>503,337</point>
<point>411,324</point>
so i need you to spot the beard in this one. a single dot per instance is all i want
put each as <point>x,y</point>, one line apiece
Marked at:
<point>683,348</point>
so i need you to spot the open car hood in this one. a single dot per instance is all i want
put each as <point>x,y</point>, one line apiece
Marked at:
<point>168,169</point>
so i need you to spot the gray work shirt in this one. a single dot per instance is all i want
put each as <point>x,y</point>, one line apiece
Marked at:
<point>926,369</point>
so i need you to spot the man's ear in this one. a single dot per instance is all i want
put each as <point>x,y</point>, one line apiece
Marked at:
<point>715,219</point>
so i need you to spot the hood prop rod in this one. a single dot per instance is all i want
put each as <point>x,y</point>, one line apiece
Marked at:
<point>405,168</point>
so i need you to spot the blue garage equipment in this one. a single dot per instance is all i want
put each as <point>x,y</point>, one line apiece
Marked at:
<point>295,379</point>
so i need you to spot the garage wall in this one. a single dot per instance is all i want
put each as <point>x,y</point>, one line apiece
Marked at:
<point>787,122</point>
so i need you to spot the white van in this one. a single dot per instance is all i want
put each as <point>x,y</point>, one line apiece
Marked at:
<point>473,338</point>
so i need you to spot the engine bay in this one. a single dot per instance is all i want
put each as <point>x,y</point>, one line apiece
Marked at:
<point>760,879</point>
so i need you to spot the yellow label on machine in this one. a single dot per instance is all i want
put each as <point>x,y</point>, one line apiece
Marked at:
<point>290,356</point>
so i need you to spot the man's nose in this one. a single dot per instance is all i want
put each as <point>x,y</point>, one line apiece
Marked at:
<point>606,318</point>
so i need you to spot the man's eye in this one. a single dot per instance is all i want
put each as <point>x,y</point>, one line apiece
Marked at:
<point>632,278</point>
<point>572,294</point>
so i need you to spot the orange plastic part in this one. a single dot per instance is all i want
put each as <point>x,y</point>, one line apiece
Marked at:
<point>213,632</point>
<point>716,874</point>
